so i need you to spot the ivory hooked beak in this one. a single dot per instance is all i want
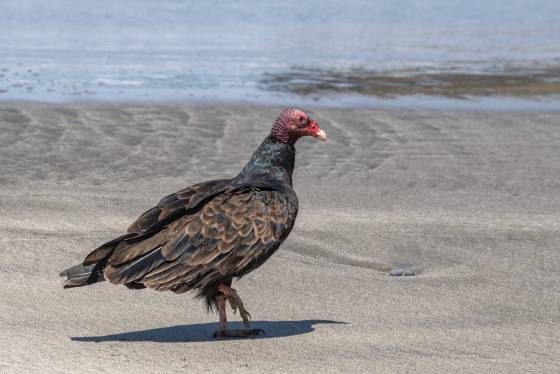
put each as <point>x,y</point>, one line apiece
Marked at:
<point>321,135</point>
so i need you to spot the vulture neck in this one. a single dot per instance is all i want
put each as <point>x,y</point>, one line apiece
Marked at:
<point>273,161</point>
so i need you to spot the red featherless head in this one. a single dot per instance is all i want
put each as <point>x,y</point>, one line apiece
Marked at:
<point>292,124</point>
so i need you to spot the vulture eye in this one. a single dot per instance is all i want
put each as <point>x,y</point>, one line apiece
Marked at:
<point>302,121</point>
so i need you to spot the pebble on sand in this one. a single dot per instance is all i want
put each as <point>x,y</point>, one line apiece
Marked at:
<point>398,272</point>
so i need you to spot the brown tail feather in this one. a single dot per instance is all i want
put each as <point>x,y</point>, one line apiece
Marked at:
<point>80,275</point>
<point>105,250</point>
<point>91,270</point>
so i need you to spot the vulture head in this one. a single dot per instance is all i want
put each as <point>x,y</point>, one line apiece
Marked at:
<point>292,124</point>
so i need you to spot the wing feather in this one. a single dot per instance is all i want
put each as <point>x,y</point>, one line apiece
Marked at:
<point>230,235</point>
<point>176,205</point>
<point>135,269</point>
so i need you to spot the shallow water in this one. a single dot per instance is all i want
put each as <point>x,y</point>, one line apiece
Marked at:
<point>182,50</point>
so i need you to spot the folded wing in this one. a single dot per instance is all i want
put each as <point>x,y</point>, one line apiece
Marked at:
<point>230,234</point>
<point>168,210</point>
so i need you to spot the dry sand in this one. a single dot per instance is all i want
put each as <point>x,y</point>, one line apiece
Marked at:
<point>469,200</point>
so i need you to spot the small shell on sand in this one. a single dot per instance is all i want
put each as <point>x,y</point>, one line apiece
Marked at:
<point>398,272</point>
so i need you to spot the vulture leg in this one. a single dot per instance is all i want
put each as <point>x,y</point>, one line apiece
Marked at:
<point>221,302</point>
<point>235,301</point>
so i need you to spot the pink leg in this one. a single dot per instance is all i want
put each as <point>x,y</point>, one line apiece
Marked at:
<point>221,304</point>
<point>235,301</point>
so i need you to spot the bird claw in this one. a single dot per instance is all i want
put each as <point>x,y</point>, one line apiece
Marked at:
<point>232,304</point>
<point>236,303</point>
<point>246,316</point>
<point>237,333</point>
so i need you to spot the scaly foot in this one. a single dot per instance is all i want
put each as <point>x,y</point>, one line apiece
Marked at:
<point>236,303</point>
<point>237,333</point>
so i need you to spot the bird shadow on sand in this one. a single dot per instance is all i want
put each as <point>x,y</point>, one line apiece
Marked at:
<point>202,332</point>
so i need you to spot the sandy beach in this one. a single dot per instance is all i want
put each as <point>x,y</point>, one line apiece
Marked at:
<point>469,201</point>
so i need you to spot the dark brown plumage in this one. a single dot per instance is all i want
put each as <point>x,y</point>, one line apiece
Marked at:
<point>203,236</point>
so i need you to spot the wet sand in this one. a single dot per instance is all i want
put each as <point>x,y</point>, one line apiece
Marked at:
<point>451,82</point>
<point>469,201</point>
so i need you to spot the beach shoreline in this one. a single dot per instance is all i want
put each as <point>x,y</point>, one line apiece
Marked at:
<point>469,200</point>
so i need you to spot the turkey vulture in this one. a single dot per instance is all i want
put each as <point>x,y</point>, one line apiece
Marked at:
<point>203,236</point>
